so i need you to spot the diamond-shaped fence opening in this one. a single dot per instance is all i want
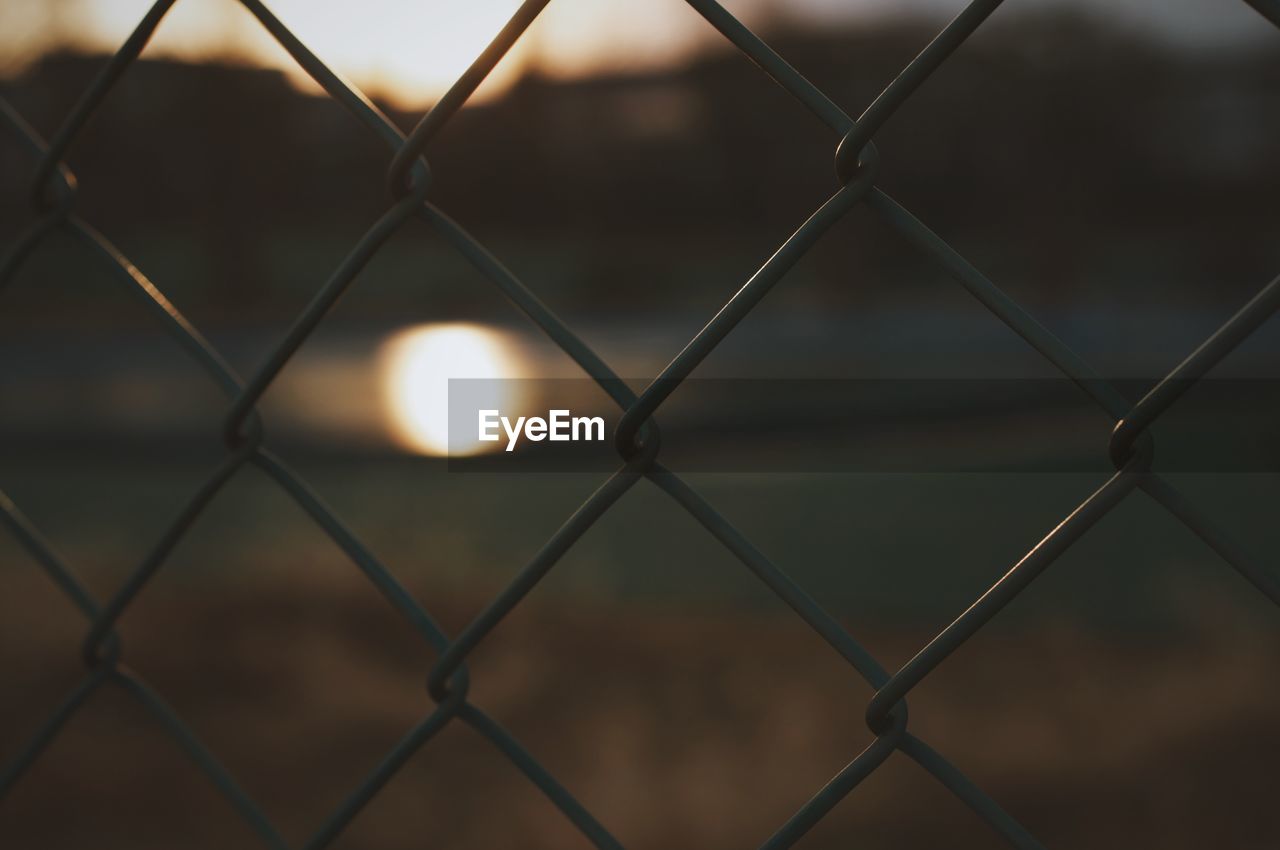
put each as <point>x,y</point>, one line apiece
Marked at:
<point>409,178</point>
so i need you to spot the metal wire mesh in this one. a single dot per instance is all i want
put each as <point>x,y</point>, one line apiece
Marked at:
<point>637,437</point>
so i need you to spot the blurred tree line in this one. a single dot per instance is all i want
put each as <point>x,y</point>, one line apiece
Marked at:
<point>1068,160</point>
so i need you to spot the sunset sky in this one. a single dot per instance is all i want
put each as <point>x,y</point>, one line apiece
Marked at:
<point>410,50</point>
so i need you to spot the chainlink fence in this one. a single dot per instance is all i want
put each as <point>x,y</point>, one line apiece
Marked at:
<point>637,437</point>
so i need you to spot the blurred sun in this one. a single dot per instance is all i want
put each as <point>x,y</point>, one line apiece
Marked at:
<point>415,367</point>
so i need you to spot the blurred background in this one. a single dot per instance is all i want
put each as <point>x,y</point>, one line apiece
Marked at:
<point>1110,165</point>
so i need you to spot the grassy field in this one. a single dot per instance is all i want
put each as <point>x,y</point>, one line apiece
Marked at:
<point>1126,700</point>
<point>886,549</point>
<point>677,729</point>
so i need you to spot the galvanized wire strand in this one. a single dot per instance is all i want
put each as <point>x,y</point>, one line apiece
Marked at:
<point>860,185</point>
<point>325,298</point>
<point>375,780</point>
<point>465,85</point>
<point>999,303</point>
<point>324,517</point>
<point>1228,548</point>
<point>786,589</point>
<point>821,622</point>
<point>140,287</point>
<point>205,354</point>
<point>637,438</point>
<point>14,769</point>
<point>107,669</point>
<point>968,793</point>
<point>103,622</point>
<point>1211,352</point>
<point>827,797</point>
<point>467,247</point>
<point>1005,309</point>
<point>1071,529</point>
<point>549,555</point>
<point>528,303</point>
<point>42,551</point>
<point>102,625</point>
<point>241,410</point>
<point>764,56</point>
<point>212,769</point>
<point>59,175</point>
<point>26,243</point>
<point>347,95</point>
<point>93,97</point>
<point>460,92</point>
<point>529,575</point>
<point>1103,392</point>
<point>795,597</point>
<point>912,77</point>
<point>737,309</point>
<point>539,776</point>
<point>63,186</point>
<point>246,398</point>
<point>159,553</point>
<point>1269,9</point>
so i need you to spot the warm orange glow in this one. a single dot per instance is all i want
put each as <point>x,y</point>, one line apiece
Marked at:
<point>409,51</point>
<point>415,367</point>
